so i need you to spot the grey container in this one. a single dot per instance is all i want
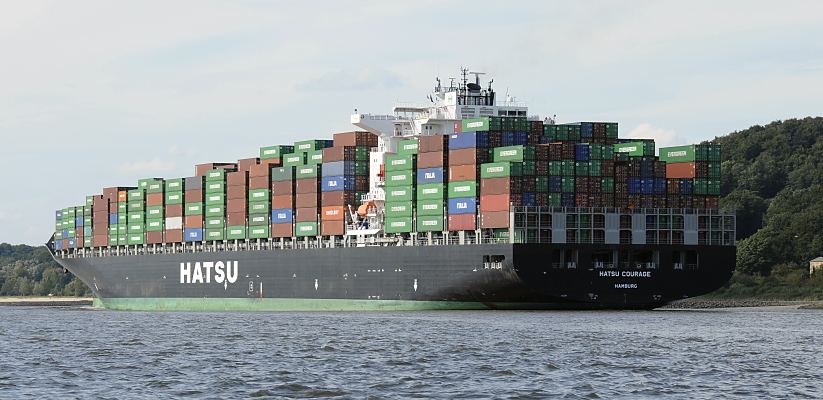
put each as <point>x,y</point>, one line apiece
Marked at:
<point>335,168</point>
<point>194,183</point>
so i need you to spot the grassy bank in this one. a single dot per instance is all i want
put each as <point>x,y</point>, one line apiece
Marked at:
<point>780,285</point>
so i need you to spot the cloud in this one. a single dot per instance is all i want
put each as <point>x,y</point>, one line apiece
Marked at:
<point>662,137</point>
<point>146,166</point>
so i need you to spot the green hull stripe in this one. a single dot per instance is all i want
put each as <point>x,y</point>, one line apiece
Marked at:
<point>287,304</point>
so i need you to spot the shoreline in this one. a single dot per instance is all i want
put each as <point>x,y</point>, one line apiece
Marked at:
<point>698,303</point>
<point>45,301</point>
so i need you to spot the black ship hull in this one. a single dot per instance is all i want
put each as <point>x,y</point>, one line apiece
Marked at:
<point>488,276</point>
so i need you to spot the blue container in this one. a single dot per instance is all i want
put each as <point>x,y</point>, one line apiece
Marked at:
<point>581,152</point>
<point>78,221</point>
<point>660,185</point>
<point>546,140</point>
<point>567,200</point>
<point>647,168</point>
<point>647,186</point>
<point>555,184</point>
<point>521,138</point>
<point>529,199</point>
<point>463,205</point>
<point>429,175</point>
<point>113,219</point>
<point>465,140</point>
<point>685,186</point>
<point>334,168</point>
<point>193,234</point>
<point>586,129</point>
<point>337,183</point>
<point>635,186</point>
<point>58,215</point>
<point>72,243</point>
<point>58,244</point>
<point>482,139</point>
<point>65,233</point>
<point>282,215</point>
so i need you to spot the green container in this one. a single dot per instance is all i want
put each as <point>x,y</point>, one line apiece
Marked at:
<point>136,206</point>
<point>541,184</point>
<point>607,184</point>
<point>259,232</point>
<point>122,208</point>
<point>594,167</point>
<point>87,220</point>
<point>398,225</point>
<point>400,162</point>
<point>154,212</point>
<point>87,210</point>
<point>216,175</point>
<point>431,191</point>
<point>567,167</point>
<point>258,207</point>
<point>86,231</point>
<point>314,157</point>
<point>259,219</point>
<point>700,186</point>
<point>236,232</point>
<point>430,223</point>
<point>307,171</point>
<point>567,184</point>
<point>713,187</point>
<point>430,207</point>
<point>475,124</point>
<point>174,185</point>
<point>215,222</point>
<point>154,225</point>
<point>134,228</point>
<point>259,195</point>
<point>678,154</point>
<point>581,168</point>
<point>122,230</point>
<point>89,200</point>
<point>136,217</point>
<point>215,198</point>
<point>529,167</point>
<point>123,218</point>
<point>275,151</point>
<point>407,146</point>
<point>135,238</point>
<point>400,193</point>
<point>309,145</point>
<point>294,159</point>
<point>112,230</point>
<point>555,168</point>
<point>215,234</point>
<point>122,240</point>
<point>500,169</point>
<point>174,198</point>
<point>156,187</point>
<point>193,209</point>
<point>112,240</point>
<point>145,182</point>
<point>399,209</point>
<point>462,189</point>
<point>399,178</point>
<point>215,187</point>
<point>134,195</point>
<point>215,210</point>
<point>58,235</point>
<point>555,199</point>
<point>72,233</point>
<point>635,149</point>
<point>302,229</point>
<point>517,153</point>
<point>714,152</point>
<point>280,174</point>
<point>714,170</point>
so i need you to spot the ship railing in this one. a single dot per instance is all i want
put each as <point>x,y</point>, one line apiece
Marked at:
<point>678,266</point>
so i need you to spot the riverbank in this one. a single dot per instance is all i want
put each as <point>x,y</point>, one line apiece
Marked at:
<point>711,303</point>
<point>45,301</point>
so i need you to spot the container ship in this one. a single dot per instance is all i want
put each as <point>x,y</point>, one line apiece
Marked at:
<point>466,202</point>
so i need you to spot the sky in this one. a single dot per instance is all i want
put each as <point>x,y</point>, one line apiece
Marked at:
<point>99,93</point>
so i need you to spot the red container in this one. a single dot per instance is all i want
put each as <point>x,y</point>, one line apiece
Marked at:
<point>463,222</point>
<point>259,182</point>
<point>307,185</point>
<point>281,230</point>
<point>174,210</point>
<point>463,156</point>
<point>680,170</point>
<point>495,186</point>
<point>332,213</point>
<point>285,201</point>
<point>305,214</point>
<point>246,163</point>
<point>122,196</point>
<point>357,138</point>
<point>496,219</point>
<point>240,178</point>
<point>154,237</point>
<point>193,221</point>
<point>174,236</point>
<point>154,199</point>
<point>332,228</point>
<point>100,240</point>
<point>237,206</point>
<point>339,198</point>
<point>431,159</point>
<point>236,192</point>
<point>235,218</point>
<point>712,202</point>
<point>432,143</point>
<point>307,200</point>
<point>194,196</point>
<point>202,169</point>
<point>282,188</point>
<point>494,202</point>
<point>462,173</point>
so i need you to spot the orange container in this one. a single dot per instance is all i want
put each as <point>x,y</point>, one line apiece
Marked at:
<point>122,196</point>
<point>462,173</point>
<point>154,199</point>
<point>284,201</point>
<point>281,230</point>
<point>494,202</point>
<point>332,228</point>
<point>306,214</point>
<point>494,219</point>
<point>681,170</point>
<point>333,213</point>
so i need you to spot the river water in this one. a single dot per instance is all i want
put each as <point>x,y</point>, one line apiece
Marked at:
<point>63,353</point>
